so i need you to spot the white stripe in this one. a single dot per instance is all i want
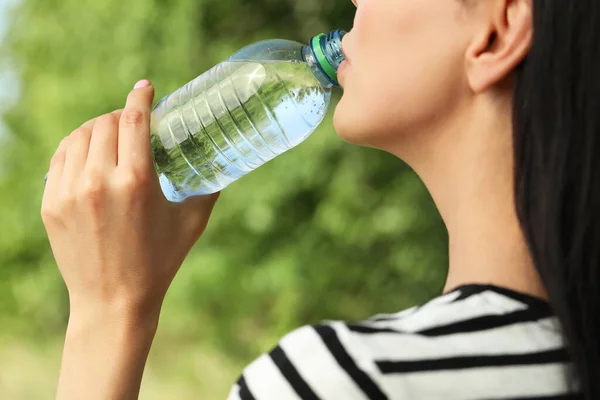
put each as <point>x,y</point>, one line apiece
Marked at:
<point>501,300</point>
<point>234,394</point>
<point>266,382</point>
<point>512,339</point>
<point>318,367</point>
<point>480,305</point>
<point>481,383</point>
<point>445,299</point>
<point>397,315</point>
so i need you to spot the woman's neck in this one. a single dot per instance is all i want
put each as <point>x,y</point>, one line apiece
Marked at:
<point>468,170</point>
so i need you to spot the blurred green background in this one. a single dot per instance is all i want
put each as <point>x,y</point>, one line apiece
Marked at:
<point>326,231</point>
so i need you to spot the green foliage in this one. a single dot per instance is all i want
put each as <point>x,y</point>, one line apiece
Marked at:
<point>326,231</point>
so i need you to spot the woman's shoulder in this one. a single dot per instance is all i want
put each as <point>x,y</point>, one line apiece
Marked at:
<point>467,309</point>
<point>464,342</point>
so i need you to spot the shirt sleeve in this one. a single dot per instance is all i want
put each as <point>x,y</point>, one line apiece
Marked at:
<point>313,362</point>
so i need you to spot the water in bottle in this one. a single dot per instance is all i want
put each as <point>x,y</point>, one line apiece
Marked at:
<point>260,102</point>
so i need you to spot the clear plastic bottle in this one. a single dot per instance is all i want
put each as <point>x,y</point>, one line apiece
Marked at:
<point>262,101</point>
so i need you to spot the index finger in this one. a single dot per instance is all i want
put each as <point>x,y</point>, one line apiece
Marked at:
<point>134,128</point>
<point>90,125</point>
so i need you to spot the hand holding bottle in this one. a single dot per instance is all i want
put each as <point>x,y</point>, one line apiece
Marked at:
<point>117,240</point>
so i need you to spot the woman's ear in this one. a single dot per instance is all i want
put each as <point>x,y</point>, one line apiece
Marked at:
<point>502,44</point>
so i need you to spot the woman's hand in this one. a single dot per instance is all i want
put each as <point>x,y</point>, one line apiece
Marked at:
<point>115,237</point>
<point>117,241</point>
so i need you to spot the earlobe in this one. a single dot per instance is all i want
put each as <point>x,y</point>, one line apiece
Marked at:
<point>502,46</point>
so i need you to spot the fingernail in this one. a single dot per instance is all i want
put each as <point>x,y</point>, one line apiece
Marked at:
<point>142,83</point>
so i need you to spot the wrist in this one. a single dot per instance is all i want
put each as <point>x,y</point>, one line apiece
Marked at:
<point>124,317</point>
<point>106,348</point>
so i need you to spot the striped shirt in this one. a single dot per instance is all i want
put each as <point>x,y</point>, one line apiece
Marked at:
<point>476,342</point>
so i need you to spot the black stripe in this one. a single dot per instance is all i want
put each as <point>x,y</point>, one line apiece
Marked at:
<point>366,384</point>
<point>245,393</point>
<point>370,329</point>
<point>533,302</point>
<point>384,319</point>
<point>484,323</point>
<point>466,292</point>
<point>291,374</point>
<point>545,357</point>
<point>465,326</point>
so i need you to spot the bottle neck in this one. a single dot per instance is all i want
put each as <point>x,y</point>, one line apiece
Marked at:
<point>324,56</point>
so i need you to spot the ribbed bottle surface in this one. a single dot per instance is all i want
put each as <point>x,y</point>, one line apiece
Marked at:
<point>231,120</point>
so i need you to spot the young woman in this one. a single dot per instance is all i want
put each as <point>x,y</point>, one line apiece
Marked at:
<point>494,103</point>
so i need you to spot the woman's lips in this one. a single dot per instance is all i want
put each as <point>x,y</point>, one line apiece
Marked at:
<point>343,65</point>
<point>340,72</point>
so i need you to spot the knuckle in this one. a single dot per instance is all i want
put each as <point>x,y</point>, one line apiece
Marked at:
<point>79,134</point>
<point>92,189</point>
<point>117,115</point>
<point>57,158</point>
<point>88,122</point>
<point>132,117</point>
<point>64,143</point>
<point>49,214</point>
<point>59,154</point>
<point>128,182</point>
<point>106,120</point>
<point>132,182</point>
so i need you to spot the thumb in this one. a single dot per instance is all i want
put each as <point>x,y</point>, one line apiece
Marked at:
<point>194,213</point>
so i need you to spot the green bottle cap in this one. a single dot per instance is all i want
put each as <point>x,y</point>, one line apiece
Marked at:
<point>322,59</point>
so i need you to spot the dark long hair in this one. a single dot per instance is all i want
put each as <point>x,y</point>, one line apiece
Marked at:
<point>557,171</point>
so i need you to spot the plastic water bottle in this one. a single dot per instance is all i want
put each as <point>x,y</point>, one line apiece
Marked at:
<point>262,101</point>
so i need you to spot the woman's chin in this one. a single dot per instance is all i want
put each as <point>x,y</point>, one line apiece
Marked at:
<point>348,125</point>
